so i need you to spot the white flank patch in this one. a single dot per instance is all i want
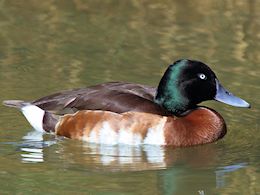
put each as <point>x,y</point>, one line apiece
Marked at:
<point>155,135</point>
<point>129,138</point>
<point>107,135</point>
<point>34,116</point>
<point>92,138</point>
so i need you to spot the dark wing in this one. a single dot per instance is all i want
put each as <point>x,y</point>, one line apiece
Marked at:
<point>115,96</point>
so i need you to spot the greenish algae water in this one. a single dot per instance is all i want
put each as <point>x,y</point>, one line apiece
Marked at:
<point>55,45</point>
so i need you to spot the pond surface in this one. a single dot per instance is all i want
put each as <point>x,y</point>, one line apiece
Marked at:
<point>47,46</point>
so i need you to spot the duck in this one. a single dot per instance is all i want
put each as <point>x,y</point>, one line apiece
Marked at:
<point>127,113</point>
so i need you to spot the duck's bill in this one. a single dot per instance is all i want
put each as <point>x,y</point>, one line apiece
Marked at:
<point>226,97</point>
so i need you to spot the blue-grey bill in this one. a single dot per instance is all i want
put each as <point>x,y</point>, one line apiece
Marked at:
<point>226,97</point>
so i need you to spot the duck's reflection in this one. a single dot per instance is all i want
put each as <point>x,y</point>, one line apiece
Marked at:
<point>175,162</point>
<point>32,147</point>
<point>222,171</point>
<point>123,157</point>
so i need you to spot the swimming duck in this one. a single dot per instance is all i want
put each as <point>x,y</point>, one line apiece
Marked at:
<point>128,113</point>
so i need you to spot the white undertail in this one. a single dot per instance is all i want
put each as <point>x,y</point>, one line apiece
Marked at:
<point>34,115</point>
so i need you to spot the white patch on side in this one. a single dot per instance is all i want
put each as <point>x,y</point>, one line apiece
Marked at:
<point>92,138</point>
<point>34,116</point>
<point>107,135</point>
<point>155,135</point>
<point>104,135</point>
<point>129,138</point>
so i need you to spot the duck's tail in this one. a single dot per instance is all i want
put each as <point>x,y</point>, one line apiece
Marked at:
<point>15,103</point>
<point>39,119</point>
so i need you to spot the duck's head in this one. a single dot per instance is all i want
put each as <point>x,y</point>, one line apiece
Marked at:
<point>187,83</point>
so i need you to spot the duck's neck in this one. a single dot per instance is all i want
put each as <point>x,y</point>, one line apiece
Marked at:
<point>169,95</point>
<point>171,101</point>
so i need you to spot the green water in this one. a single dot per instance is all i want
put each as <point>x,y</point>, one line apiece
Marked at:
<point>47,46</point>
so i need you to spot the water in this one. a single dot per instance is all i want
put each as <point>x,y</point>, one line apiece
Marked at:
<point>54,45</point>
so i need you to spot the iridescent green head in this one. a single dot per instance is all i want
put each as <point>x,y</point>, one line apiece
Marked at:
<point>187,83</point>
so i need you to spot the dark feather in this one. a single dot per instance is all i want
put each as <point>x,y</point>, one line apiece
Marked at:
<point>117,97</point>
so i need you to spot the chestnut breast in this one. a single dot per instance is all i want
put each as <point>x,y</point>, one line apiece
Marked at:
<point>200,126</point>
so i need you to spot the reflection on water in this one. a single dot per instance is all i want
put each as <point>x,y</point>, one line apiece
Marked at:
<point>120,158</point>
<point>125,156</point>
<point>202,167</point>
<point>32,147</point>
<point>32,155</point>
<point>222,171</point>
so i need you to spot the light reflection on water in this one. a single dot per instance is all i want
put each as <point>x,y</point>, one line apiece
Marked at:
<point>124,157</point>
<point>32,147</point>
<point>222,171</point>
<point>216,163</point>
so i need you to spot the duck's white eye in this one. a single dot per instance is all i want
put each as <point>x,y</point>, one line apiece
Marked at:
<point>202,76</point>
